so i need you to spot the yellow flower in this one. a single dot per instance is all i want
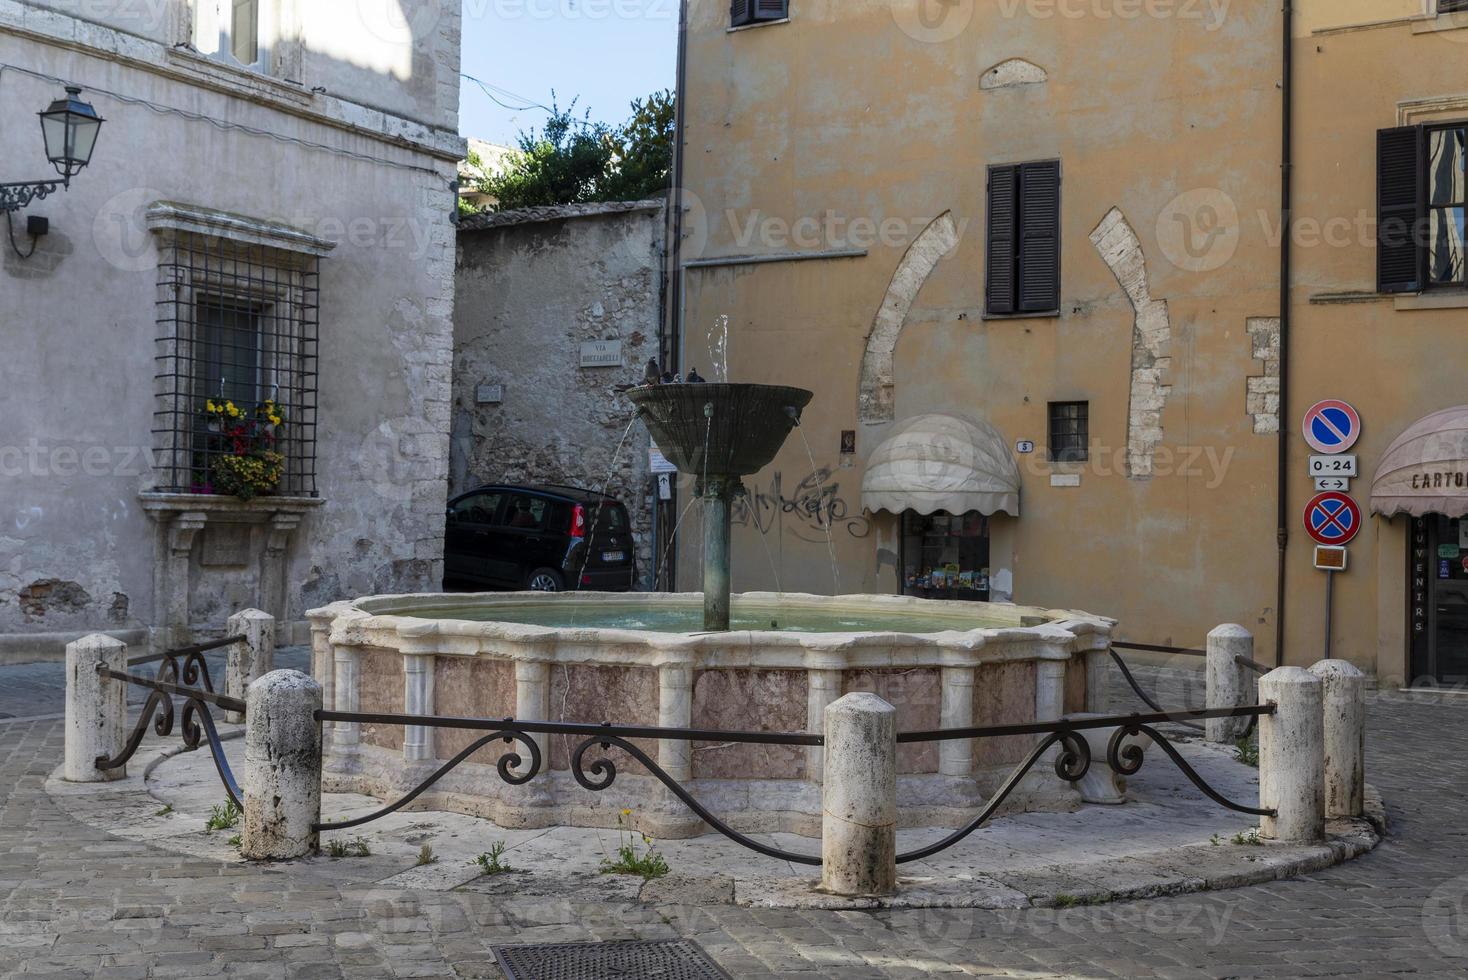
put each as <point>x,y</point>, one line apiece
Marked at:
<point>626,813</point>
<point>209,406</point>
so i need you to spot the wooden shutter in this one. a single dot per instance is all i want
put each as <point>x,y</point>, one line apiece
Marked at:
<point>1039,237</point>
<point>999,280</point>
<point>1400,253</point>
<point>740,12</point>
<point>771,9</point>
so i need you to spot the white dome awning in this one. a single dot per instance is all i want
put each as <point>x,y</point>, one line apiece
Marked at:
<point>940,462</point>
<point>1425,471</point>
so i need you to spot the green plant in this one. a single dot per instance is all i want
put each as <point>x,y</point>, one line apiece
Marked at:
<point>492,861</point>
<point>237,841</point>
<point>1215,840</point>
<point>574,160</point>
<point>249,475</point>
<point>1248,838</point>
<point>646,864</point>
<point>356,847</point>
<point>167,809</point>
<point>425,855</point>
<point>1247,750</point>
<point>223,817</point>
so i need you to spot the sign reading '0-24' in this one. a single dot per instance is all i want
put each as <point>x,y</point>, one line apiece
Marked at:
<point>1332,426</point>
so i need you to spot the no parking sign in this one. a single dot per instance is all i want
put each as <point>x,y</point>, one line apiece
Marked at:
<point>1332,426</point>
<point>1333,519</point>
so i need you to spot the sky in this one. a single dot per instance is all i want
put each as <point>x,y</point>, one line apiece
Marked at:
<point>606,52</point>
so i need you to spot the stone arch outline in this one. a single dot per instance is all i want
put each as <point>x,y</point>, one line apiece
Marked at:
<point>877,399</point>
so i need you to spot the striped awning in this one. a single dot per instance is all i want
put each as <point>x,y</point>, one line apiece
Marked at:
<point>1426,470</point>
<point>941,462</point>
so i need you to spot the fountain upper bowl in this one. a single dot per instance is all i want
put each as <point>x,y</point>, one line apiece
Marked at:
<point>709,429</point>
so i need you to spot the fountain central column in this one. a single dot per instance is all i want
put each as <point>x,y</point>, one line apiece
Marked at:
<point>718,493</point>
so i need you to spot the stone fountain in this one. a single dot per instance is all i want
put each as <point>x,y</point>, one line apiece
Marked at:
<point>755,661</point>
<point>719,433</point>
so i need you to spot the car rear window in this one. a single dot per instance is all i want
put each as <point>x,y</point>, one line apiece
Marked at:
<point>612,518</point>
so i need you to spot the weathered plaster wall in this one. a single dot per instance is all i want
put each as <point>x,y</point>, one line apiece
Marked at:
<point>531,289</point>
<point>76,548</point>
<point>1140,112</point>
<point>1170,122</point>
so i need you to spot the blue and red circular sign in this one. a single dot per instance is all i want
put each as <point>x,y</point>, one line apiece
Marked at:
<point>1332,427</point>
<point>1333,518</point>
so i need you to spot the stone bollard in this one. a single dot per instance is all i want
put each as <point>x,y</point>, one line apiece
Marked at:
<point>859,797</point>
<point>1344,696</point>
<point>1292,756</point>
<point>282,784</point>
<point>250,659</point>
<point>96,708</point>
<point>1229,683</point>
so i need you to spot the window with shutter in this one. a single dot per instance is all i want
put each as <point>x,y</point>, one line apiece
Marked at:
<point>999,282</point>
<point>1399,199</point>
<point>745,12</point>
<point>1039,237</point>
<point>1022,266</point>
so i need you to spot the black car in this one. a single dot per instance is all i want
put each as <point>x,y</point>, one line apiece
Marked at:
<point>539,538</point>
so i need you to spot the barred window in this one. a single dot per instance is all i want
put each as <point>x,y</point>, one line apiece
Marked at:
<point>237,363</point>
<point>1070,431</point>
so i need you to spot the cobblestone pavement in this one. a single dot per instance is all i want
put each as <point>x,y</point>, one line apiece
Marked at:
<point>31,690</point>
<point>77,903</point>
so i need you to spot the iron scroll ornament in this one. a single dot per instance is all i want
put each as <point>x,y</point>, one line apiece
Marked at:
<point>506,765</point>
<point>604,773</point>
<point>197,723</point>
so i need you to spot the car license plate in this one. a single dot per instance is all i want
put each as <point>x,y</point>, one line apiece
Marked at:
<point>613,555</point>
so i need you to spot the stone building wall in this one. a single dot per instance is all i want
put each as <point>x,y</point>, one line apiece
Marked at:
<point>346,151</point>
<point>533,286</point>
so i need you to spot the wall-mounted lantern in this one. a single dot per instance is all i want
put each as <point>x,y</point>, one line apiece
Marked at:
<point>69,128</point>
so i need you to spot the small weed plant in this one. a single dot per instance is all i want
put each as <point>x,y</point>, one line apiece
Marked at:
<point>225,816</point>
<point>492,861</point>
<point>645,862</point>
<point>356,847</point>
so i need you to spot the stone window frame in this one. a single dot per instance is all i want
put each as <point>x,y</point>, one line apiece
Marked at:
<point>202,34</point>
<point>248,279</point>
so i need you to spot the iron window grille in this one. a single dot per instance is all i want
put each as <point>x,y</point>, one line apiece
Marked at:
<point>237,326</point>
<point>1070,432</point>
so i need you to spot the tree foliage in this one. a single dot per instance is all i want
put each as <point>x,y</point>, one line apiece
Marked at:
<point>573,160</point>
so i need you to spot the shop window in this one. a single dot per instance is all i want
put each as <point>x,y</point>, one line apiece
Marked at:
<point>1070,432</point>
<point>1421,204</point>
<point>1022,273</point>
<point>742,13</point>
<point>946,556</point>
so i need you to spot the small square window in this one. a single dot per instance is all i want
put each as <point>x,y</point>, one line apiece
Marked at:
<point>1070,431</point>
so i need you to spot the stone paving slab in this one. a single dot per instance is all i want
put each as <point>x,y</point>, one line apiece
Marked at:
<point>77,903</point>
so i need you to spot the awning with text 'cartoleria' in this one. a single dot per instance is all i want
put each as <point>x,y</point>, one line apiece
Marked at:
<point>1425,471</point>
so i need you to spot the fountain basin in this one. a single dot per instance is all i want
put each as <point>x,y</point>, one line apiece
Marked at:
<point>555,657</point>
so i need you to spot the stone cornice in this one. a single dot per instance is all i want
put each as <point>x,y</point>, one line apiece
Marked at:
<point>55,28</point>
<point>170,216</point>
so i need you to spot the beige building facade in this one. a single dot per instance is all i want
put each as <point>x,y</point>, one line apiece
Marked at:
<point>1029,256</point>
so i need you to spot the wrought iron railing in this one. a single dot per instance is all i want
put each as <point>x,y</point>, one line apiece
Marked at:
<point>1126,673</point>
<point>182,672</point>
<point>597,776</point>
<point>1072,763</point>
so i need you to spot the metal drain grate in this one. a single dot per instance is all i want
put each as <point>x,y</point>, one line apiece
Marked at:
<point>674,959</point>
